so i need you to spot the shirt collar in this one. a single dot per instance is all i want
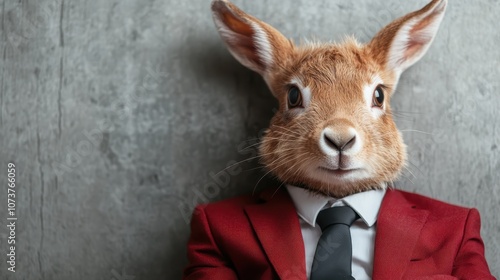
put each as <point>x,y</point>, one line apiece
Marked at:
<point>308,204</point>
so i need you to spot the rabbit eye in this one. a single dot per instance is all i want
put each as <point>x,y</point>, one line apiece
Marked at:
<point>294,97</point>
<point>378,97</point>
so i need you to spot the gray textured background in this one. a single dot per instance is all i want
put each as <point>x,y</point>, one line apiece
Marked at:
<point>116,114</point>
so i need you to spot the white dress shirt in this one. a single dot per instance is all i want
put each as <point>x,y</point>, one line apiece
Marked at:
<point>366,204</point>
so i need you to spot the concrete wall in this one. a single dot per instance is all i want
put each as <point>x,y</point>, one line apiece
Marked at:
<point>116,113</point>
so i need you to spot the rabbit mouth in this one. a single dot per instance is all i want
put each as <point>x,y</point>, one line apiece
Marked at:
<point>338,172</point>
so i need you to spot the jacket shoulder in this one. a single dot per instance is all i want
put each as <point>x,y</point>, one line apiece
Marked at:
<point>434,206</point>
<point>229,207</point>
<point>232,203</point>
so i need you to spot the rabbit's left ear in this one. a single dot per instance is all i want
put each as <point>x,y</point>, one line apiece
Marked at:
<point>252,42</point>
<point>404,41</point>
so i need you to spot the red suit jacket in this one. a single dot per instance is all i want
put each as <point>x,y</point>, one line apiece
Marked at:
<point>260,238</point>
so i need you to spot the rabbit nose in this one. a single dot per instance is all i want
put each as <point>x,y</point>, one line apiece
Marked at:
<point>337,141</point>
<point>340,144</point>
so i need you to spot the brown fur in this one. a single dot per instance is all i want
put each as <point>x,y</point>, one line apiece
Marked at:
<point>336,75</point>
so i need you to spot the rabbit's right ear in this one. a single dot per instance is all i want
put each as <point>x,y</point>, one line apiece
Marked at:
<point>252,42</point>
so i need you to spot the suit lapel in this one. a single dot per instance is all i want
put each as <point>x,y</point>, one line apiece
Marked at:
<point>277,227</point>
<point>398,228</point>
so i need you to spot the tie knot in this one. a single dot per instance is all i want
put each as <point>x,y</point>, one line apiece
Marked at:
<point>336,215</point>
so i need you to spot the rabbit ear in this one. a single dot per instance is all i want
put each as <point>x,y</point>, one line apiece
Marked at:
<point>252,42</point>
<point>404,41</point>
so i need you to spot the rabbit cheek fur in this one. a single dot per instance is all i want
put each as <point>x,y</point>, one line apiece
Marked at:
<point>337,78</point>
<point>335,141</point>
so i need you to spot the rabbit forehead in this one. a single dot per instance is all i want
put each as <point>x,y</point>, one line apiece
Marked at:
<point>326,69</point>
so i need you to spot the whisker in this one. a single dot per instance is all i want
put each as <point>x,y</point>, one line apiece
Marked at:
<point>401,117</point>
<point>250,146</point>
<point>414,165</point>
<point>287,129</point>
<point>271,170</point>
<point>407,169</point>
<point>277,189</point>
<point>255,187</point>
<point>408,112</point>
<point>289,135</point>
<point>254,168</point>
<point>408,178</point>
<point>289,169</point>
<point>236,163</point>
<point>414,130</point>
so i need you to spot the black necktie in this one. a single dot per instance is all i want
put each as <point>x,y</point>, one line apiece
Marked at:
<point>333,257</point>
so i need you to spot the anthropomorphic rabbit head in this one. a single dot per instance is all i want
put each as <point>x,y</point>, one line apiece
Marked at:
<point>334,132</point>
